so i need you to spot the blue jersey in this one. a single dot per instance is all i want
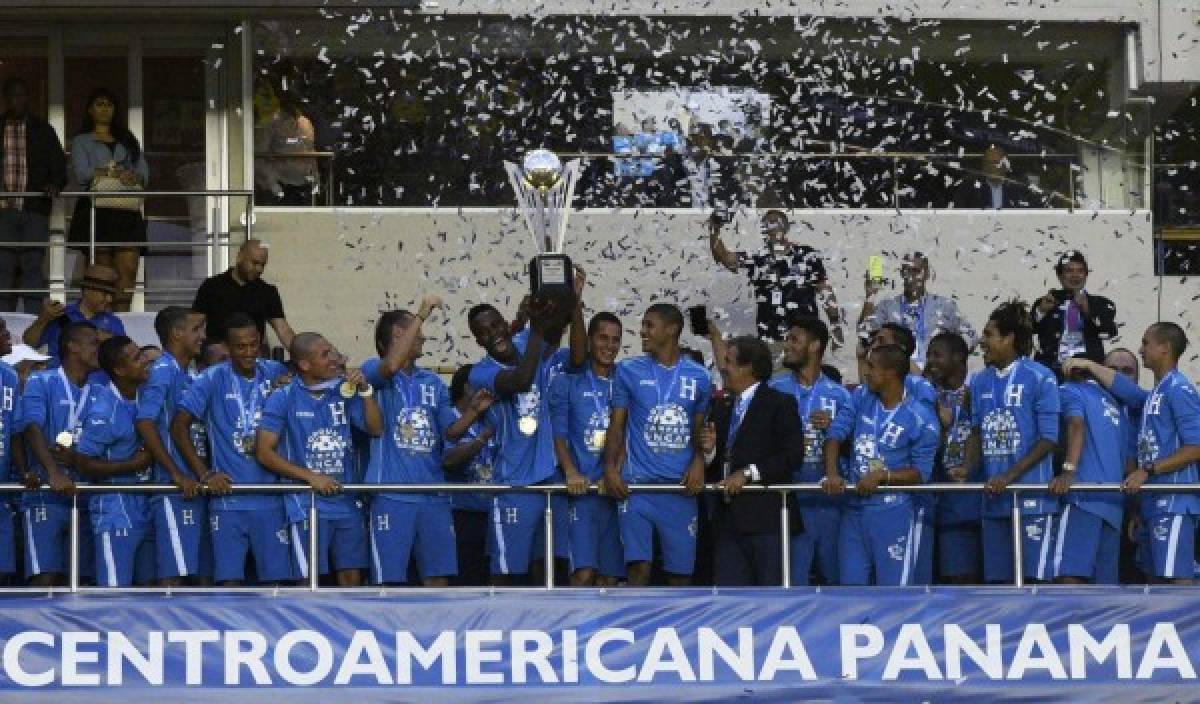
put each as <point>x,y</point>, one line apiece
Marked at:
<point>1105,447</point>
<point>10,418</point>
<point>477,471</point>
<point>416,412</point>
<point>231,406</point>
<point>823,395</point>
<point>662,404</point>
<point>108,433</point>
<point>524,434</point>
<point>1170,419</point>
<point>1012,412</point>
<point>904,437</point>
<point>54,404</point>
<point>314,432</point>
<point>920,390</point>
<point>157,400</point>
<point>580,406</point>
<point>957,507</point>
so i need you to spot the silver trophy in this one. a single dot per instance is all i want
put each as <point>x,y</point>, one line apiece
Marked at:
<point>544,188</point>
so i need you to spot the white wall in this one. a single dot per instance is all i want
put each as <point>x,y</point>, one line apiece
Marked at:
<point>337,269</point>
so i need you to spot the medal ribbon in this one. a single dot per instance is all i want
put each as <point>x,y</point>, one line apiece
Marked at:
<point>75,410</point>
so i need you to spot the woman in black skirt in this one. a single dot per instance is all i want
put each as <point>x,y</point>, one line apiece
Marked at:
<point>107,157</point>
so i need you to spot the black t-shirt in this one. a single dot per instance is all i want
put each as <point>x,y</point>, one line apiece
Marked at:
<point>221,296</point>
<point>784,284</point>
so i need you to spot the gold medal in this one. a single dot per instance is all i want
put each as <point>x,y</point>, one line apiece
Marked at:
<point>876,465</point>
<point>598,438</point>
<point>348,389</point>
<point>65,439</point>
<point>407,432</point>
<point>528,425</point>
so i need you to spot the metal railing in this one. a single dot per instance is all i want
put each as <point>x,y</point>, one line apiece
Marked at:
<point>216,219</point>
<point>549,491</point>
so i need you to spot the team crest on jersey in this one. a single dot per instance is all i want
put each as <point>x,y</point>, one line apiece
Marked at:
<point>1001,435</point>
<point>865,449</point>
<point>668,428</point>
<point>414,430</point>
<point>325,451</point>
<point>597,429</point>
<point>528,402</point>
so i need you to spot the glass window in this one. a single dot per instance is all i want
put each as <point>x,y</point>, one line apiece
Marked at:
<point>371,108</point>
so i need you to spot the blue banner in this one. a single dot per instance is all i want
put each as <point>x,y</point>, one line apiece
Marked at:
<point>1053,644</point>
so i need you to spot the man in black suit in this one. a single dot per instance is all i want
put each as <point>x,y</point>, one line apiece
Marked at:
<point>753,438</point>
<point>1069,321</point>
<point>992,189</point>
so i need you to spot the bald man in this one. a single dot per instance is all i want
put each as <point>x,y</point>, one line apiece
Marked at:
<point>242,290</point>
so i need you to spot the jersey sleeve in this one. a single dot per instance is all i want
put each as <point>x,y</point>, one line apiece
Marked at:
<point>49,332</point>
<point>559,403</point>
<point>704,392</point>
<point>198,395</point>
<point>623,388</point>
<point>925,447</point>
<point>976,403</point>
<point>34,404</point>
<point>447,414</point>
<point>153,393</point>
<point>1072,404</point>
<point>356,412</point>
<point>1185,406</point>
<point>274,413</point>
<point>116,327</point>
<point>1128,392</point>
<point>370,370</point>
<point>97,433</point>
<point>843,421</point>
<point>1047,408</point>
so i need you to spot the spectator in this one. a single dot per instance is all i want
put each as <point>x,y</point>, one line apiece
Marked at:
<point>94,306</point>
<point>242,290</point>
<point>25,360</point>
<point>788,279</point>
<point>106,156</point>
<point>212,352</point>
<point>31,158</point>
<point>754,438</point>
<point>1069,320</point>
<point>995,190</point>
<point>285,166</point>
<point>924,314</point>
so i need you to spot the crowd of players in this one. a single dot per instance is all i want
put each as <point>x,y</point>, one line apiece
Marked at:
<point>531,412</point>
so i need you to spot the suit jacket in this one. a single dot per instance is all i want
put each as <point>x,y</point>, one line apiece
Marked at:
<point>44,160</point>
<point>1101,321</point>
<point>770,437</point>
<point>974,192</point>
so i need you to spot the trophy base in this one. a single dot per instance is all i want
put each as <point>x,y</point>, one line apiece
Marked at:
<point>551,273</point>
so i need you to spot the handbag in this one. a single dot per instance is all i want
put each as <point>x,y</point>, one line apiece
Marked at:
<point>109,182</point>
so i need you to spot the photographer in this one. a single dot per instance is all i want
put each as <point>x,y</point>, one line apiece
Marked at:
<point>1069,320</point>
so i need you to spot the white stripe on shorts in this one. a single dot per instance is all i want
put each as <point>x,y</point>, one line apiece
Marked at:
<point>1172,546</point>
<point>176,543</point>
<point>298,548</point>
<point>110,563</point>
<point>500,551</point>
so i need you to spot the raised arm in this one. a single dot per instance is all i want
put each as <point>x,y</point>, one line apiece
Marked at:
<point>720,253</point>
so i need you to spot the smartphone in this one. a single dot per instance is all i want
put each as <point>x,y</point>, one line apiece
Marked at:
<point>698,316</point>
<point>875,268</point>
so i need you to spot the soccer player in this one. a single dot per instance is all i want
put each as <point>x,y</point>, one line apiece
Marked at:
<point>53,408</point>
<point>1168,448</point>
<point>305,436</point>
<point>183,549</point>
<point>229,399</point>
<point>417,413</point>
<point>658,407</point>
<point>1014,418</point>
<point>470,460</point>
<point>957,512</point>
<point>110,452</point>
<point>12,452</point>
<point>518,372</point>
<point>580,406</point>
<point>894,444</point>
<point>818,400</point>
<point>1087,546</point>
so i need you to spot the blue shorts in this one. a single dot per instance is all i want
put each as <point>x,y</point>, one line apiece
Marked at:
<point>923,542</point>
<point>517,534</point>
<point>400,529</point>
<point>125,556</point>
<point>595,537</point>
<point>958,550</point>
<point>182,545</point>
<point>818,543</point>
<point>878,546</point>
<point>1086,546</point>
<point>262,532</point>
<point>8,540</point>
<point>1037,542</point>
<point>1172,539</point>
<point>672,518</point>
<point>48,540</point>
<point>342,540</point>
